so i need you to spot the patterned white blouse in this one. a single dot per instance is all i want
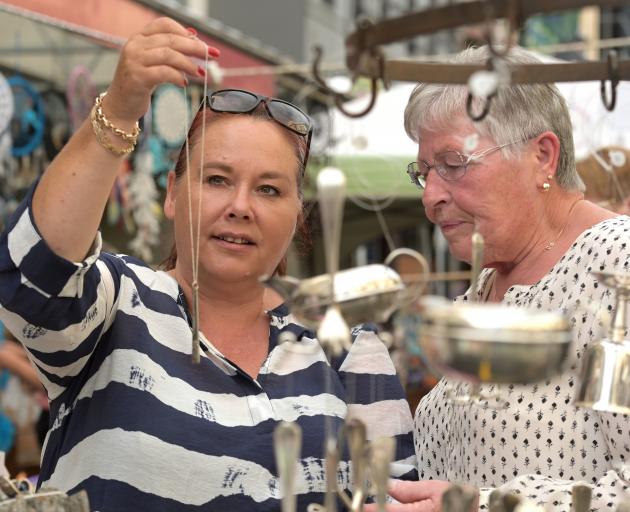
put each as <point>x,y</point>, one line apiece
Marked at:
<point>540,445</point>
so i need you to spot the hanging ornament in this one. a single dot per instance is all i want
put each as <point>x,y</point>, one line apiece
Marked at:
<point>215,72</point>
<point>617,158</point>
<point>322,138</point>
<point>80,93</point>
<point>6,104</point>
<point>171,110</point>
<point>57,127</point>
<point>6,114</point>
<point>27,124</point>
<point>143,204</point>
<point>160,163</point>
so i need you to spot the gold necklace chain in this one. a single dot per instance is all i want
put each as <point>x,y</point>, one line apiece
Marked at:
<point>490,294</point>
<point>551,244</point>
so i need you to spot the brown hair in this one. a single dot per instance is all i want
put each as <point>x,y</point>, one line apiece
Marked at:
<point>194,134</point>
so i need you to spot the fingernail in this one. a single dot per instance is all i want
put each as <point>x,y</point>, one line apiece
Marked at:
<point>201,71</point>
<point>192,31</point>
<point>213,52</point>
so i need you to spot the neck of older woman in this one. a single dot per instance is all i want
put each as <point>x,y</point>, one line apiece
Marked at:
<point>560,225</point>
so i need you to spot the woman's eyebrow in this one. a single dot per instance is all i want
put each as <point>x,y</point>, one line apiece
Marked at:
<point>218,165</point>
<point>228,169</point>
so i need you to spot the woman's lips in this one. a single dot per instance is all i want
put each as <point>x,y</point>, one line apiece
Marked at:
<point>450,226</point>
<point>232,244</point>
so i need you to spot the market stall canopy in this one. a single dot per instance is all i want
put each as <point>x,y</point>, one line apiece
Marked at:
<point>35,48</point>
<point>44,39</point>
<point>374,150</point>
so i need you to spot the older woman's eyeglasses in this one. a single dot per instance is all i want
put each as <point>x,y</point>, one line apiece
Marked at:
<point>237,101</point>
<point>450,165</point>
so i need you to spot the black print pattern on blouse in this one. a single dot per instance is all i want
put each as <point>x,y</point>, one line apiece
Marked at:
<point>540,445</point>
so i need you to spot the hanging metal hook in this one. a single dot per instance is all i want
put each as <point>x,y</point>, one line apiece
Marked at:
<point>484,111</point>
<point>613,76</point>
<point>514,17</point>
<point>337,96</point>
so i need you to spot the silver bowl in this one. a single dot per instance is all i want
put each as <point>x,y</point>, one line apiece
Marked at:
<point>369,293</point>
<point>491,343</point>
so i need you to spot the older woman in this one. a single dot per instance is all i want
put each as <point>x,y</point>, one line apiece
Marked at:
<point>512,176</point>
<point>135,423</point>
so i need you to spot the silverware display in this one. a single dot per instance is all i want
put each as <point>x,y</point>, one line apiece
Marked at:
<point>369,293</point>
<point>382,453</point>
<point>477,343</point>
<point>333,332</point>
<point>605,380</point>
<point>581,498</point>
<point>483,343</point>
<point>490,343</point>
<point>287,443</point>
<point>355,434</point>
<point>459,498</point>
<point>21,496</point>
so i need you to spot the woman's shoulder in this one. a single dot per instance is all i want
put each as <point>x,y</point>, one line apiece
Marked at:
<point>137,271</point>
<point>603,246</point>
<point>613,231</point>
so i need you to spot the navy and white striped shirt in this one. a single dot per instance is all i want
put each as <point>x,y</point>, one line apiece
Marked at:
<point>140,427</point>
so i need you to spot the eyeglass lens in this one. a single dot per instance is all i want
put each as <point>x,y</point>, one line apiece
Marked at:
<point>449,165</point>
<point>234,101</point>
<point>242,102</point>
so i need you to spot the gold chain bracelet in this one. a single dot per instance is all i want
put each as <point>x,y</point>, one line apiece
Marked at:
<point>104,140</point>
<point>100,124</point>
<point>100,116</point>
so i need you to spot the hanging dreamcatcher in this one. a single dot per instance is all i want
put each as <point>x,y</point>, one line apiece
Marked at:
<point>57,126</point>
<point>149,142</point>
<point>6,114</point>
<point>171,110</point>
<point>6,161</point>
<point>170,113</point>
<point>144,206</point>
<point>80,94</point>
<point>27,133</point>
<point>27,124</point>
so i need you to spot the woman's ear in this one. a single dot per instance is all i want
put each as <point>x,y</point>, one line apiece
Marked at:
<point>547,155</point>
<point>169,201</point>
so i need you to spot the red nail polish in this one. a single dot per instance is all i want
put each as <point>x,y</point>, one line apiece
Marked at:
<point>213,52</point>
<point>201,71</point>
<point>192,31</point>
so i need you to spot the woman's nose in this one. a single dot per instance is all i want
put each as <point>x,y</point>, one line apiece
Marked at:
<point>240,205</point>
<point>435,191</point>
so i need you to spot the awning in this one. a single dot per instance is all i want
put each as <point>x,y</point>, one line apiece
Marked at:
<point>371,178</point>
<point>46,39</point>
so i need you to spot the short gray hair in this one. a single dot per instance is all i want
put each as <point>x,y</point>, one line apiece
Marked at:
<point>517,112</point>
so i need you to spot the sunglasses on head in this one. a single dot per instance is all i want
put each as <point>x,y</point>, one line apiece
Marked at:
<point>237,101</point>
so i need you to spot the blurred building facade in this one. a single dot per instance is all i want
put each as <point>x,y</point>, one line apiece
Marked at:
<point>305,23</point>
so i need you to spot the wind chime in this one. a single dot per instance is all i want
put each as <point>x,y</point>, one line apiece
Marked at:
<point>473,343</point>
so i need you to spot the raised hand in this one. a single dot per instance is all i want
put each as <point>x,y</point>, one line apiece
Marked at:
<point>163,52</point>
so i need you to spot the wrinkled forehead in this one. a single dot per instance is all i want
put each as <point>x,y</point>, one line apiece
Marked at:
<point>454,134</point>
